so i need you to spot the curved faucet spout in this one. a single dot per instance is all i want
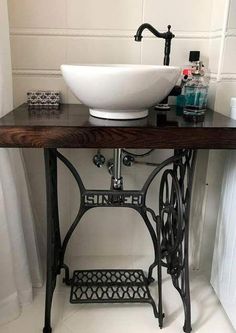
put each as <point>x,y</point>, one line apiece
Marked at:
<point>165,35</point>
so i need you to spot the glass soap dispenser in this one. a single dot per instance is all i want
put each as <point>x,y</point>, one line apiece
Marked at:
<point>195,92</point>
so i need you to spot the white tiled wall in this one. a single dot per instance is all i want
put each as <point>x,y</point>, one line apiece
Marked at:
<point>102,50</point>
<point>223,272</point>
<point>223,67</point>
<point>214,55</point>
<point>184,16</point>
<point>224,269</point>
<point>38,52</point>
<point>45,34</point>
<point>222,88</point>
<point>232,15</point>
<point>218,8</point>
<point>37,14</point>
<point>104,14</point>
<point>229,65</point>
<point>152,52</point>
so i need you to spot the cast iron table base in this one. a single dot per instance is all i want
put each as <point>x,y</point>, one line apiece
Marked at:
<point>168,228</point>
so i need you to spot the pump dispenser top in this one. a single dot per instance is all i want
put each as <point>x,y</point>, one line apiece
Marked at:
<point>196,90</point>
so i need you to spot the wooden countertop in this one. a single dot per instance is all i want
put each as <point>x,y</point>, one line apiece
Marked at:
<point>73,127</point>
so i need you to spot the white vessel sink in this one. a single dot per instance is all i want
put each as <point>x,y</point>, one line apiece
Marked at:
<point>120,91</point>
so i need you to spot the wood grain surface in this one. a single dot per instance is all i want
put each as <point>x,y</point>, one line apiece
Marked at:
<point>72,127</point>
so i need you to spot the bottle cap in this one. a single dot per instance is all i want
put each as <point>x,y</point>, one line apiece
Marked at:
<point>194,56</point>
<point>233,102</point>
<point>187,71</point>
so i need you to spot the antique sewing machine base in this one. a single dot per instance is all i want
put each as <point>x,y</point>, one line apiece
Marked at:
<point>168,228</point>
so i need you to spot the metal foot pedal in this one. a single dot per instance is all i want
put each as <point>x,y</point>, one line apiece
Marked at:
<point>111,286</point>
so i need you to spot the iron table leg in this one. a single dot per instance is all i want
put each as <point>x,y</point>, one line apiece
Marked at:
<point>175,199</point>
<point>53,233</point>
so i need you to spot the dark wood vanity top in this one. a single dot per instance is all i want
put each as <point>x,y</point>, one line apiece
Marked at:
<point>73,127</point>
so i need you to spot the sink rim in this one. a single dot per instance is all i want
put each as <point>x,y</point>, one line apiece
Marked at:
<point>122,66</point>
<point>125,91</point>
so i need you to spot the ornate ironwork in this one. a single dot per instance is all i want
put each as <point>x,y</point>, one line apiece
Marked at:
<point>174,209</point>
<point>111,286</point>
<point>168,229</point>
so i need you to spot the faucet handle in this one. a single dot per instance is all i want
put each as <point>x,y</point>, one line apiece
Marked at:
<point>169,34</point>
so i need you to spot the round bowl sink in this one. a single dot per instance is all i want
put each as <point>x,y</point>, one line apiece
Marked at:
<point>120,91</point>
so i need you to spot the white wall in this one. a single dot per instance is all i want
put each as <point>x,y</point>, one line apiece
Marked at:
<point>223,275</point>
<point>222,53</point>
<point>224,269</point>
<point>222,88</point>
<point>45,34</point>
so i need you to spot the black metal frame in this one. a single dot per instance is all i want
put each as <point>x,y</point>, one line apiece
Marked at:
<point>111,286</point>
<point>168,36</point>
<point>168,228</point>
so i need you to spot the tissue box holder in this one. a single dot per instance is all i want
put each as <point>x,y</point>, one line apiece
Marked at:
<point>42,99</point>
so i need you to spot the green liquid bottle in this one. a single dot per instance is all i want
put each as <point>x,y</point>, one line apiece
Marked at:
<point>196,93</point>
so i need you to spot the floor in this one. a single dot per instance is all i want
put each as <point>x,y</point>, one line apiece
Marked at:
<point>207,313</point>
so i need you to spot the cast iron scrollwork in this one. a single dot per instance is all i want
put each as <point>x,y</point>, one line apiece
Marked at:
<point>171,220</point>
<point>168,227</point>
<point>174,210</point>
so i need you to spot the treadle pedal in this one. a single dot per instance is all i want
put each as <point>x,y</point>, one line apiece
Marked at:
<point>111,286</point>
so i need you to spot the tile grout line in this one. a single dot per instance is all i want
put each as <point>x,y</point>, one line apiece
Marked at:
<point>141,47</point>
<point>112,33</point>
<point>66,51</point>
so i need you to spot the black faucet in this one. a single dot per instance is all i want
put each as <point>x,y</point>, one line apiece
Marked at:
<point>165,35</point>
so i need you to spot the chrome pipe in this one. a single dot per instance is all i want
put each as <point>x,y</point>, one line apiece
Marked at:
<point>117,180</point>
